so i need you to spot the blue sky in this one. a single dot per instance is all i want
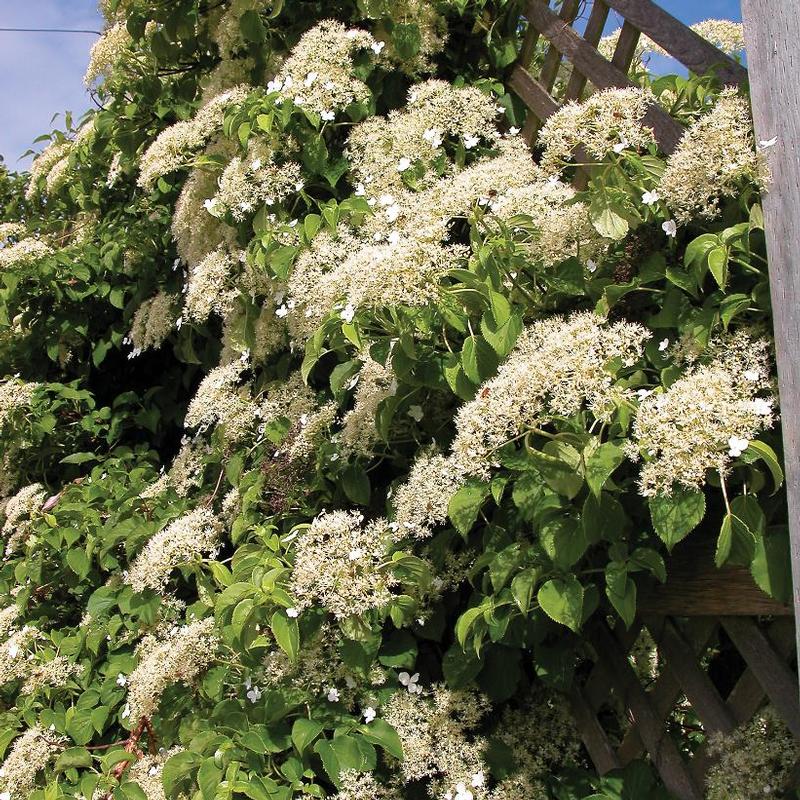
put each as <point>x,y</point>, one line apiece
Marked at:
<point>41,74</point>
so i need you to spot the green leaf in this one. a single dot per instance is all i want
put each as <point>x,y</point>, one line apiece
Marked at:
<point>465,623</point>
<point>460,667</point>
<point>78,562</point>
<point>74,757</point>
<point>286,633</point>
<point>465,505</point>
<point>607,222</point>
<point>252,27</point>
<point>564,541</point>
<point>522,588</point>
<point>304,731</point>
<point>381,733</point>
<point>177,769</point>
<point>600,464</point>
<point>675,516</point>
<point>355,483</point>
<point>736,542</point>
<point>478,359</point>
<point>399,650</point>
<point>770,458</point>
<point>621,591</point>
<point>78,458</point>
<point>772,565</point>
<point>407,40</point>
<point>562,600</point>
<point>718,264</point>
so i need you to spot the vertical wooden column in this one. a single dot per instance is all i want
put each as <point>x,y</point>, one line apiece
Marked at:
<point>772,33</point>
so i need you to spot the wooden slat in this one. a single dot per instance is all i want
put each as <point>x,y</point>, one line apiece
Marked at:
<point>695,587</point>
<point>666,691</point>
<point>599,683</point>
<point>592,34</point>
<point>592,733</point>
<point>772,31</point>
<point>683,44</point>
<point>775,677</point>
<point>600,72</point>
<point>552,59</point>
<point>663,752</point>
<point>626,47</point>
<point>701,692</point>
<point>748,695</point>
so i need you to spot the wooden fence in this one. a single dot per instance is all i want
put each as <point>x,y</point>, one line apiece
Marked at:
<point>700,606</point>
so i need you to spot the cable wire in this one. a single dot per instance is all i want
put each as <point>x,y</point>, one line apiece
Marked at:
<point>49,30</point>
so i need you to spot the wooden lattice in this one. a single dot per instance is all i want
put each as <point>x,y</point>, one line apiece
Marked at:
<point>700,605</point>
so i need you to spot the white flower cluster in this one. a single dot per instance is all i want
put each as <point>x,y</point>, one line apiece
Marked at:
<point>319,73</point>
<point>211,288</point>
<point>107,52</point>
<point>715,156</point>
<point>179,655</point>
<point>340,564</point>
<point>609,121</point>
<point>153,322</point>
<point>15,395</point>
<point>175,147</point>
<point>23,253</point>
<point>704,420</point>
<point>19,512</point>
<point>183,541</point>
<point>30,753</point>
<point>55,153</point>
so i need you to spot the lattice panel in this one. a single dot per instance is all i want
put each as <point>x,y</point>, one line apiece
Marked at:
<point>578,56</point>
<point>768,675</point>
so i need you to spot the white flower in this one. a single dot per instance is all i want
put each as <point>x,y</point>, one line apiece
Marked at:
<point>471,141</point>
<point>121,680</point>
<point>361,190</point>
<point>355,554</point>
<point>513,131</point>
<point>478,779</point>
<point>393,237</point>
<point>386,200</point>
<point>642,393</point>
<point>761,407</point>
<point>310,78</point>
<point>328,116</point>
<point>416,413</point>
<point>410,682</point>
<point>737,446</point>
<point>651,198</point>
<point>254,694</point>
<point>13,650</point>
<point>433,137</point>
<point>623,144</point>
<point>127,711</point>
<point>369,715</point>
<point>282,311</point>
<point>392,213</point>
<point>299,100</point>
<point>255,165</point>
<point>751,375</point>
<point>403,164</point>
<point>765,143</point>
<point>333,695</point>
<point>275,85</point>
<point>669,227</point>
<point>5,795</point>
<point>591,265</point>
<point>462,793</point>
<point>347,313</point>
<point>377,47</point>
<point>663,345</point>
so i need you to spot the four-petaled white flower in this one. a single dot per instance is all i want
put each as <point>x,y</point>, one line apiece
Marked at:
<point>328,116</point>
<point>347,313</point>
<point>333,694</point>
<point>761,407</point>
<point>256,165</point>
<point>369,714</point>
<point>471,141</point>
<point>513,131</point>
<point>310,78</point>
<point>121,680</point>
<point>377,47</point>
<point>416,413</point>
<point>478,779</point>
<point>403,164</point>
<point>355,554</point>
<point>462,793</point>
<point>651,198</point>
<point>292,613</point>
<point>737,446</point>
<point>663,345</point>
<point>127,711</point>
<point>751,375</point>
<point>282,311</point>
<point>410,682</point>
<point>623,144</point>
<point>669,227</point>
<point>433,137</point>
<point>591,265</point>
<point>392,213</point>
<point>254,694</point>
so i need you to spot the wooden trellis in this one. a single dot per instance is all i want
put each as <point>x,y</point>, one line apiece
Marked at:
<point>699,605</point>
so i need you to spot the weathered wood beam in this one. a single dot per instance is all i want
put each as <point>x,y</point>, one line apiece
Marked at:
<point>591,34</point>
<point>682,43</point>
<point>772,33</point>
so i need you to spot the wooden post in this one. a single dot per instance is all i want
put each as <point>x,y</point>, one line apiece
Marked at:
<point>772,33</point>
